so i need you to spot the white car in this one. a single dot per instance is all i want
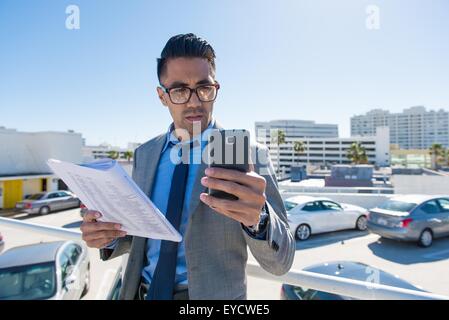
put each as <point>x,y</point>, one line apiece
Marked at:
<point>312,215</point>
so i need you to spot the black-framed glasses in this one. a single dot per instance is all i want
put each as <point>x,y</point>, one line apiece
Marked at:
<point>181,95</point>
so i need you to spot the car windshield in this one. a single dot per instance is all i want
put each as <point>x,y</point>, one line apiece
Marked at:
<point>31,282</point>
<point>36,196</point>
<point>395,205</point>
<point>289,205</point>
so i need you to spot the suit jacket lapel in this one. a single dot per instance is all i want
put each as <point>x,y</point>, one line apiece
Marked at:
<point>150,159</point>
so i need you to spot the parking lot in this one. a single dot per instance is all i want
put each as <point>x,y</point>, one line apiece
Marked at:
<point>424,267</point>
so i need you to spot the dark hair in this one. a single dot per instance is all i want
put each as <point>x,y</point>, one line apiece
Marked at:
<point>185,45</point>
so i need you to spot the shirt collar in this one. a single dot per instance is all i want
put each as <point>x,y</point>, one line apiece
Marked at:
<point>170,137</point>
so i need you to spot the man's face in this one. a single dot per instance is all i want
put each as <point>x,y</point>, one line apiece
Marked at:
<point>187,72</point>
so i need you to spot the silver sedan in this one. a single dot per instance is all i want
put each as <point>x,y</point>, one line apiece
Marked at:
<point>52,270</point>
<point>46,202</point>
<point>312,215</point>
<point>418,218</point>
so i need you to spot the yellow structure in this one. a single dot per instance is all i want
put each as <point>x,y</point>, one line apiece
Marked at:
<point>13,189</point>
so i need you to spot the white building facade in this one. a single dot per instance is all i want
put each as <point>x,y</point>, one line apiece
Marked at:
<point>23,158</point>
<point>328,151</point>
<point>414,128</point>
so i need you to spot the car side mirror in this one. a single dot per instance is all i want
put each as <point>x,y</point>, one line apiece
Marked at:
<point>70,283</point>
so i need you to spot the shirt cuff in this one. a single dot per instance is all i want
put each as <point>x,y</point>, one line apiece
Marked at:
<point>111,245</point>
<point>259,231</point>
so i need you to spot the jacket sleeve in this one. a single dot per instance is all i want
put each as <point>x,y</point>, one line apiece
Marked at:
<point>275,254</point>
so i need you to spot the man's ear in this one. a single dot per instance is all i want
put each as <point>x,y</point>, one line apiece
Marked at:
<point>161,95</point>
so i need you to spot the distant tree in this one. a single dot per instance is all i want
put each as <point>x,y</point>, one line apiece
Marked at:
<point>298,148</point>
<point>437,153</point>
<point>278,138</point>
<point>357,154</point>
<point>128,155</point>
<point>113,154</point>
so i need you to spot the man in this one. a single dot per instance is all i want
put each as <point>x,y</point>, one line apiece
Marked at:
<point>210,261</point>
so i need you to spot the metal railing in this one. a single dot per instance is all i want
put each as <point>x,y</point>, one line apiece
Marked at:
<point>336,285</point>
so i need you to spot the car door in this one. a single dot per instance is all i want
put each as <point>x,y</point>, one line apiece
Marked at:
<point>433,217</point>
<point>318,218</point>
<point>53,201</point>
<point>340,220</point>
<point>66,200</point>
<point>444,207</point>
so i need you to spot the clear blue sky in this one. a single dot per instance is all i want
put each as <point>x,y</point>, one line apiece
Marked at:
<point>312,60</point>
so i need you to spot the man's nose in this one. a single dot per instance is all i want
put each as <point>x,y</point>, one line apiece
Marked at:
<point>194,101</point>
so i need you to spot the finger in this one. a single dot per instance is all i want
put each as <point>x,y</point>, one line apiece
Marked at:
<point>228,186</point>
<point>102,235</point>
<point>91,216</point>
<point>99,226</point>
<point>222,204</point>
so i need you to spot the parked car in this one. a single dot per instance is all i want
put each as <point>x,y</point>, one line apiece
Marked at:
<point>2,242</point>
<point>418,218</point>
<point>347,270</point>
<point>312,215</point>
<point>46,202</point>
<point>53,270</point>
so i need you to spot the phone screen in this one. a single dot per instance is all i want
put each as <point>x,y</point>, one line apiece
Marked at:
<point>229,149</point>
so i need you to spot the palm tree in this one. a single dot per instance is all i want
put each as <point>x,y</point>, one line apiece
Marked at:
<point>113,154</point>
<point>278,138</point>
<point>128,155</point>
<point>298,148</point>
<point>437,152</point>
<point>357,154</point>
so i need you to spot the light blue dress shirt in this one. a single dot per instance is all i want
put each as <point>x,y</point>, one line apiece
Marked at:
<point>160,194</point>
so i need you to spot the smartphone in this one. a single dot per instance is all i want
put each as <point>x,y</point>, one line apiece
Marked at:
<point>229,149</point>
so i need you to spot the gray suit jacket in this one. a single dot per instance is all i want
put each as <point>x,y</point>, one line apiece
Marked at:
<point>215,245</point>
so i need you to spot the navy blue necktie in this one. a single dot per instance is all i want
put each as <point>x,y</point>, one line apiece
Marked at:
<point>163,282</point>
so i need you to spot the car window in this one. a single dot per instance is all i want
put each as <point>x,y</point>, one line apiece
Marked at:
<point>329,205</point>
<point>312,206</point>
<point>395,205</point>
<point>63,194</point>
<point>53,196</point>
<point>289,205</point>
<point>430,207</point>
<point>444,204</point>
<point>73,251</point>
<point>36,196</point>
<point>64,263</point>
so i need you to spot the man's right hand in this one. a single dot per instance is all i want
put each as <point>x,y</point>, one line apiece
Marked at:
<point>98,234</point>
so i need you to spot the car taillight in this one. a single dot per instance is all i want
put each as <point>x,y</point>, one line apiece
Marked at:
<point>28,206</point>
<point>83,206</point>
<point>405,223</point>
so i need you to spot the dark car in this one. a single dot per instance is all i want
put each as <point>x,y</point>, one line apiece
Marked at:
<point>46,202</point>
<point>53,270</point>
<point>343,269</point>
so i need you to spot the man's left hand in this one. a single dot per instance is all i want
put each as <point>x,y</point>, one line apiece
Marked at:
<point>248,187</point>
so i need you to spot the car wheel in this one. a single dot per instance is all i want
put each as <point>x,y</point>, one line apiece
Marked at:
<point>303,232</point>
<point>426,238</point>
<point>44,210</point>
<point>361,223</point>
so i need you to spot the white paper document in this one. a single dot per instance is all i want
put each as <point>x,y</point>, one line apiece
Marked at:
<point>105,187</point>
